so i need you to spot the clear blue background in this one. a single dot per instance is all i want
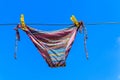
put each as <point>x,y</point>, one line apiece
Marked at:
<point>103,43</point>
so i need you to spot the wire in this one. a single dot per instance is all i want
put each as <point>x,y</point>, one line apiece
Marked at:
<point>37,24</point>
<point>102,23</point>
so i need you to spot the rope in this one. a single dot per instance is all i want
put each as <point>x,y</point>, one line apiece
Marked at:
<point>37,24</point>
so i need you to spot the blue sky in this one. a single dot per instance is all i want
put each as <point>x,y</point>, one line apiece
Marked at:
<point>103,42</point>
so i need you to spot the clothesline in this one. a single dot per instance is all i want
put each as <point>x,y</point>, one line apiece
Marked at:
<point>39,24</point>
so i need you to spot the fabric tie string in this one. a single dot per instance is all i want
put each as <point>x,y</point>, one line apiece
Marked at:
<point>17,38</point>
<point>85,40</point>
<point>83,28</point>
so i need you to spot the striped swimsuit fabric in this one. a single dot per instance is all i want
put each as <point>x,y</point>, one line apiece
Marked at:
<point>54,46</point>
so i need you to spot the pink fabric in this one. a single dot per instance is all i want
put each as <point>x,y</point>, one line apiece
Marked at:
<point>53,46</point>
